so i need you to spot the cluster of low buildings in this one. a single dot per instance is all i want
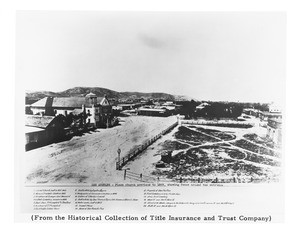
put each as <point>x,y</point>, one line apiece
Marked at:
<point>274,130</point>
<point>150,108</point>
<point>43,130</point>
<point>45,121</point>
<point>271,119</point>
<point>263,115</point>
<point>98,108</point>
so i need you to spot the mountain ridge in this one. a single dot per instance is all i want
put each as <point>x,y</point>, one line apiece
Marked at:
<point>100,92</point>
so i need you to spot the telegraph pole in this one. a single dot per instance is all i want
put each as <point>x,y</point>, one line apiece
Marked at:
<point>119,156</point>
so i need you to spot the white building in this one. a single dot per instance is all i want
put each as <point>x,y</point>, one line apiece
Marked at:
<point>274,131</point>
<point>98,108</point>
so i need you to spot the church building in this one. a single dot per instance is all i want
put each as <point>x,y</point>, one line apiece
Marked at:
<point>99,109</point>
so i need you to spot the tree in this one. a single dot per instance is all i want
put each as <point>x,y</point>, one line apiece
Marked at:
<point>188,109</point>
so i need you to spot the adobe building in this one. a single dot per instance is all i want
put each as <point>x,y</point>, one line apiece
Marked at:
<point>161,112</point>
<point>42,130</point>
<point>98,108</point>
<point>274,130</point>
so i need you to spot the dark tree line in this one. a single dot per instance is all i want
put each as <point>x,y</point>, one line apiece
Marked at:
<point>188,109</point>
<point>216,110</point>
<point>221,110</point>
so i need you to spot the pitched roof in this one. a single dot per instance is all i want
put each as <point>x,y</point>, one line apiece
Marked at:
<point>40,103</point>
<point>91,95</point>
<point>270,113</point>
<point>277,120</point>
<point>77,111</point>
<point>167,107</point>
<point>68,102</point>
<point>33,129</point>
<point>38,121</point>
<point>152,109</point>
<point>74,102</point>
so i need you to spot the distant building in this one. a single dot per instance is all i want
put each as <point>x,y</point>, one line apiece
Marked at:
<point>129,106</point>
<point>153,112</point>
<point>265,116</point>
<point>171,109</point>
<point>168,103</point>
<point>99,108</point>
<point>42,130</point>
<point>126,106</point>
<point>252,112</point>
<point>274,130</point>
<point>202,106</point>
<point>274,108</point>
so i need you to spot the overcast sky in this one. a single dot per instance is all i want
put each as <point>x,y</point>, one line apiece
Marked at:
<point>209,56</point>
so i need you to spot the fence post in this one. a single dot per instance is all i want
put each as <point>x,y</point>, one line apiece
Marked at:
<point>124,174</point>
<point>141,176</point>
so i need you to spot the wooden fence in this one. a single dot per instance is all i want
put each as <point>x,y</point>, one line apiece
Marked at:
<point>151,179</point>
<point>222,180</point>
<point>138,177</point>
<point>123,161</point>
<point>217,122</point>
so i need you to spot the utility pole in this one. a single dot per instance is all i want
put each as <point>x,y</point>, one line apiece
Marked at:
<point>119,158</point>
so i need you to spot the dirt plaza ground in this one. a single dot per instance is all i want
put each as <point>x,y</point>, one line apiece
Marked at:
<point>91,158</point>
<point>206,152</point>
<point>209,152</point>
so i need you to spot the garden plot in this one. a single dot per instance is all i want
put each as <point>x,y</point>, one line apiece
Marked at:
<point>213,161</point>
<point>255,148</point>
<point>171,145</point>
<point>192,137</point>
<point>222,135</point>
<point>261,159</point>
<point>208,153</point>
<point>260,140</point>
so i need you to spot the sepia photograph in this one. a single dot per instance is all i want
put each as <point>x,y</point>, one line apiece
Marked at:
<point>152,97</point>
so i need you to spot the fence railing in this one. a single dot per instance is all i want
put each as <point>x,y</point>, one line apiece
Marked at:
<point>203,122</point>
<point>223,180</point>
<point>151,179</point>
<point>139,177</point>
<point>123,161</point>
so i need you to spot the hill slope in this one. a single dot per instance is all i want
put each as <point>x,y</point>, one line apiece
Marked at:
<point>100,92</point>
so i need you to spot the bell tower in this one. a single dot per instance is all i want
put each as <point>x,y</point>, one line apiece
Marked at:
<point>92,98</point>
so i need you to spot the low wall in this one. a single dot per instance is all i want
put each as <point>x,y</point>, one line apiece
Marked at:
<point>218,123</point>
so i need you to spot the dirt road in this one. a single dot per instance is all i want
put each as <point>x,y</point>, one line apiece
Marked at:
<point>91,158</point>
